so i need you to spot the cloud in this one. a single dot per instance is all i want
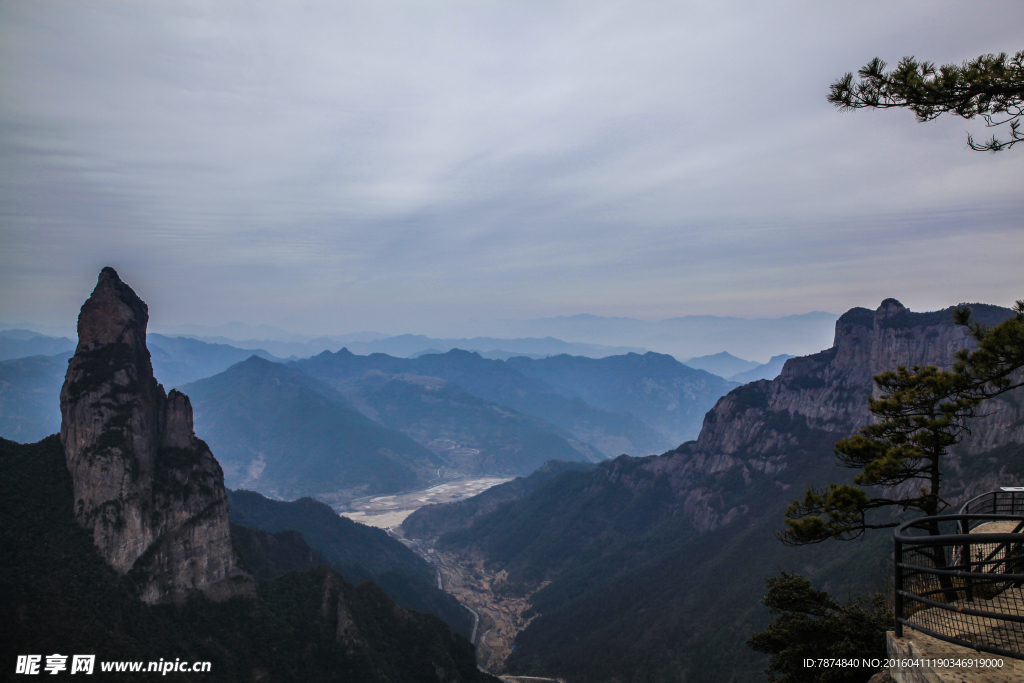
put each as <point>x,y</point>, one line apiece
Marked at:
<point>389,164</point>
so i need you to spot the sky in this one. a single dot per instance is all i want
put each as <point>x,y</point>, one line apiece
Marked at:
<point>416,166</point>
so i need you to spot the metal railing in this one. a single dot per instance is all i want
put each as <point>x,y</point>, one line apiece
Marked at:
<point>995,503</point>
<point>958,577</point>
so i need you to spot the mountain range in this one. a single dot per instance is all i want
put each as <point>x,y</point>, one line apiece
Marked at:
<point>340,425</point>
<point>665,394</point>
<point>122,538</point>
<point>682,337</point>
<point>19,343</point>
<point>499,383</point>
<point>280,431</point>
<point>674,549</point>
<point>120,544</point>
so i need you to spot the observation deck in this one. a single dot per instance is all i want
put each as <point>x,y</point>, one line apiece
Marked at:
<point>959,595</point>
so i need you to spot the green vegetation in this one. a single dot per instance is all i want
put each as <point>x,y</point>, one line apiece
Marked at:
<point>359,552</point>
<point>921,415</point>
<point>58,596</point>
<point>990,87</point>
<point>637,593</point>
<point>812,624</point>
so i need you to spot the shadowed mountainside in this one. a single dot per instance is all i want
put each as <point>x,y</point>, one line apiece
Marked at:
<point>359,552</point>
<point>673,549</point>
<point>126,511</point>
<point>497,382</point>
<point>656,388</point>
<point>313,625</point>
<point>280,431</point>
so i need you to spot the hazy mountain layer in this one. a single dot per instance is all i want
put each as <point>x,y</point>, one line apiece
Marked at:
<point>23,343</point>
<point>406,345</point>
<point>180,360</point>
<point>658,389</point>
<point>683,337</point>
<point>279,431</point>
<point>673,549</point>
<point>722,364</point>
<point>497,382</point>
<point>30,396</point>
<point>472,435</point>
<point>30,387</point>
<point>769,370</point>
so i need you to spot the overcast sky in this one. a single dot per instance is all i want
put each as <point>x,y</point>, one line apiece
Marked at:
<point>409,166</point>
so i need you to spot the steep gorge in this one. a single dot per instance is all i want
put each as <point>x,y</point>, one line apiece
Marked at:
<point>673,549</point>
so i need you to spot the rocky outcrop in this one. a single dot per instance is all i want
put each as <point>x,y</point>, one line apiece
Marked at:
<point>151,493</point>
<point>766,426</point>
<point>830,389</point>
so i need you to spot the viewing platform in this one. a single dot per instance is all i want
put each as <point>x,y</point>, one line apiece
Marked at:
<point>958,594</point>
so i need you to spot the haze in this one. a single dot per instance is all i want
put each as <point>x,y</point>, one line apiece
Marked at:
<point>415,166</point>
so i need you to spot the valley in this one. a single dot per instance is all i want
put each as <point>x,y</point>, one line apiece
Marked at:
<point>402,479</point>
<point>500,612</point>
<point>512,342</point>
<point>391,510</point>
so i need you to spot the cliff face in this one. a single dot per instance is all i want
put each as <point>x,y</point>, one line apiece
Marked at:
<point>766,426</point>
<point>150,492</point>
<point>622,547</point>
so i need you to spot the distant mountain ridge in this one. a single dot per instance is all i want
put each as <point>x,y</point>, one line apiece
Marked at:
<point>180,360</point>
<point>723,364</point>
<point>406,345</point>
<point>30,384</point>
<point>19,343</point>
<point>500,383</point>
<point>280,431</point>
<point>656,388</point>
<point>675,548</point>
<point>126,511</point>
<point>30,396</point>
<point>769,370</point>
<point>685,336</point>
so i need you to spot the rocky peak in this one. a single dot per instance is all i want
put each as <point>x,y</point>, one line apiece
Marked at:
<point>889,309</point>
<point>150,492</point>
<point>114,314</point>
<point>764,427</point>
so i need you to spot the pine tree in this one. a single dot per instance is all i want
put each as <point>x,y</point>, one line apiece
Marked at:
<point>990,87</point>
<point>813,624</point>
<point>922,413</point>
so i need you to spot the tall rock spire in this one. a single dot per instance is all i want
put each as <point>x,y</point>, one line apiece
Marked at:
<point>150,491</point>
